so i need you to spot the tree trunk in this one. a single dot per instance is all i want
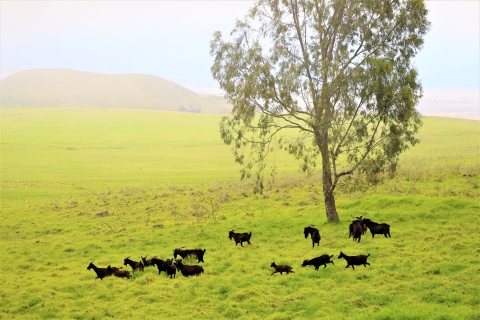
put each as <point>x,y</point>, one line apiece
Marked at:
<point>330,207</point>
<point>329,198</point>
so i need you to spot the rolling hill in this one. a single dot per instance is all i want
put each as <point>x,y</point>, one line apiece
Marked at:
<point>70,88</point>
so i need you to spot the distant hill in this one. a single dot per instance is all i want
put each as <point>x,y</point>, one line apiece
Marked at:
<point>69,88</point>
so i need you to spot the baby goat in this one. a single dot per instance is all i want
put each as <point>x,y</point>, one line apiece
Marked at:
<point>355,260</point>
<point>318,261</point>
<point>281,269</point>
<point>119,273</point>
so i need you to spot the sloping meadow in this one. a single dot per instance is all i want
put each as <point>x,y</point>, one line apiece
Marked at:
<point>427,270</point>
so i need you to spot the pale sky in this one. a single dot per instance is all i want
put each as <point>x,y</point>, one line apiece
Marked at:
<point>170,39</point>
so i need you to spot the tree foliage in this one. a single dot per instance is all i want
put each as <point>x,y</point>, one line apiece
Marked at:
<point>340,72</point>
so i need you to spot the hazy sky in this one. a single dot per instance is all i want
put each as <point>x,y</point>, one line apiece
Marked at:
<point>170,39</point>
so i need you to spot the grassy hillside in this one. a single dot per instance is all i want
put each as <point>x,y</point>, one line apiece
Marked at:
<point>69,88</point>
<point>100,184</point>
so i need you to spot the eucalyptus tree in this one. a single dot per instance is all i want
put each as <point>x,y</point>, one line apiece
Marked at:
<point>340,72</point>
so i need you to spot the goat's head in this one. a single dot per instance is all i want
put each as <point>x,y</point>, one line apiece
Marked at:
<point>342,255</point>
<point>230,234</point>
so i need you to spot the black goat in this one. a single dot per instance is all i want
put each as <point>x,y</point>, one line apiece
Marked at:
<point>188,270</point>
<point>314,233</point>
<point>160,264</point>
<point>101,272</point>
<point>133,264</point>
<point>377,228</point>
<point>318,261</point>
<point>362,224</point>
<point>119,273</point>
<point>170,268</point>
<point>355,260</point>
<point>240,237</point>
<point>281,269</point>
<point>198,253</point>
<point>357,230</point>
<point>147,263</point>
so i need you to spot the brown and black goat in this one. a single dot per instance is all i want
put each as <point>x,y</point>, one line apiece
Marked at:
<point>318,261</point>
<point>159,263</point>
<point>357,230</point>
<point>170,268</point>
<point>362,224</point>
<point>240,237</point>
<point>314,233</point>
<point>377,228</point>
<point>101,272</point>
<point>136,266</point>
<point>119,273</point>
<point>355,260</point>
<point>198,253</point>
<point>147,263</point>
<point>281,269</point>
<point>188,270</point>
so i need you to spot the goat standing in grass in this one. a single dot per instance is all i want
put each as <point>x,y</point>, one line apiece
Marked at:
<point>378,228</point>
<point>357,230</point>
<point>198,253</point>
<point>147,263</point>
<point>355,260</point>
<point>281,269</point>
<point>188,270</point>
<point>240,237</point>
<point>133,264</point>
<point>360,220</point>
<point>314,233</point>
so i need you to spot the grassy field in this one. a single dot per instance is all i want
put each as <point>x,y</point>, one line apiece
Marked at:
<point>100,185</point>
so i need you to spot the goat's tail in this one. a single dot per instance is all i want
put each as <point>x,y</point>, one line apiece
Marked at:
<point>250,233</point>
<point>368,255</point>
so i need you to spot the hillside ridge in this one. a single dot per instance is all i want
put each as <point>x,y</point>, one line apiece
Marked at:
<point>72,88</point>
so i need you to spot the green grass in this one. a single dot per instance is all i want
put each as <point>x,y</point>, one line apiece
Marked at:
<point>72,191</point>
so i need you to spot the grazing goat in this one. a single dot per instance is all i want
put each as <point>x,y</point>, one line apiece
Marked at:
<point>160,264</point>
<point>133,264</point>
<point>318,261</point>
<point>377,228</point>
<point>357,230</point>
<point>189,252</point>
<point>119,273</point>
<point>147,263</point>
<point>188,270</point>
<point>350,227</point>
<point>355,260</point>
<point>240,237</point>
<point>170,268</point>
<point>101,272</point>
<point>314,233</point>
<point>281,269</point>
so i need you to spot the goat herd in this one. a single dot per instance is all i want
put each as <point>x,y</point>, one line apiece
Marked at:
<point>357,228</point>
